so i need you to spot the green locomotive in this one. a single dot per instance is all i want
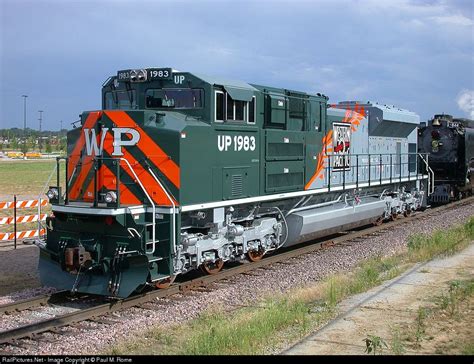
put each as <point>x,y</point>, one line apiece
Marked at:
<point>180,171</point>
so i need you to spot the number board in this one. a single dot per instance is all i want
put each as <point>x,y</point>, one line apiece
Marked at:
<point>123,75</point>
<point>159,74</point>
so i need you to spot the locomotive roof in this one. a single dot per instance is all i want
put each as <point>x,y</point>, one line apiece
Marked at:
<point>238,90</point>
<point>389,112</point>
<point>225,82</point>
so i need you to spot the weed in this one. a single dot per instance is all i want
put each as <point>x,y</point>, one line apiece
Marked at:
<point>420,327</point>
<point>396,345</point>
<point>373,344</point>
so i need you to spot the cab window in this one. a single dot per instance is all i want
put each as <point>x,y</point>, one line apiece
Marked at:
<point>121,100</point>
<point>175,98</point>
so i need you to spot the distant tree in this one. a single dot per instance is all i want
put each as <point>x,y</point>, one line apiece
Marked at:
<point>31,143</point>
<point>62,145</point>
<point>15,144</point>
<point>48,146</point>
<point>24,146</point>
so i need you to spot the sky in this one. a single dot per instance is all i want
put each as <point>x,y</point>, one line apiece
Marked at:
<point>415,54</point>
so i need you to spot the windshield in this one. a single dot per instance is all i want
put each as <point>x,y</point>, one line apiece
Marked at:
<point>120,100</point>
<point>176,98</point>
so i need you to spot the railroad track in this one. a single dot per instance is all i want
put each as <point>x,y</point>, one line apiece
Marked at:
<point>31,330</point>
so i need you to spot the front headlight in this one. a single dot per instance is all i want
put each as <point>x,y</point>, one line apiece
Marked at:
<point>52,193</point>
<point>110,197</point>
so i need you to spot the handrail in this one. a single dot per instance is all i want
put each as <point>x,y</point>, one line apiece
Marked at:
<point>41,194</point>
<point>149,199</point>
<point>308,207</point>
<point>173,221</point>
<point>431,186</point>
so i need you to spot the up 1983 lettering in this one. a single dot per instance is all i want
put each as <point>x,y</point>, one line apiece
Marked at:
<point>237,143</point>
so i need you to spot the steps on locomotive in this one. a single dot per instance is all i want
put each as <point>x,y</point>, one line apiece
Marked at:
<point>157,251</point>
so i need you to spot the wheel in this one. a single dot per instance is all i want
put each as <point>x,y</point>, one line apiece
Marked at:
<point>394,216</point>
<point>407,212</point>
<point>255,255</point>
<point>379,221</point>
<point>212,267</point>
<point>165,283</point>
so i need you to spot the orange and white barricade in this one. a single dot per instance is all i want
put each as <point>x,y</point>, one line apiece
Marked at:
<point>14,220</point>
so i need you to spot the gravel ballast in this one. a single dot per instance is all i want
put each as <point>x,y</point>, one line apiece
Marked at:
<point>93,338</point>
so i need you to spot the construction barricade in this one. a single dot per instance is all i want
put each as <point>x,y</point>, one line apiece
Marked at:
<point>15,220</point>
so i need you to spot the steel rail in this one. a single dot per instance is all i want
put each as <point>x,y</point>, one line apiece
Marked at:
<point>89,313</point>
<point>32,302</point>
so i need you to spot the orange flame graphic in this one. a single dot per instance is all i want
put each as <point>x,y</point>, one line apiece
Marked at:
<point>352,117</point>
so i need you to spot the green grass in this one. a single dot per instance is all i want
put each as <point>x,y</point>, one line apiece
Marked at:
<point>218,334</point>
<point>252,330</point>
<point>396,344</point>
<point>24,177</point>
<point>442,242</point>
<point>468,349</point>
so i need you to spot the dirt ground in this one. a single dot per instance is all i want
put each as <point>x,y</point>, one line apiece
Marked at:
<point>19,268</point>
<point>404,313</point>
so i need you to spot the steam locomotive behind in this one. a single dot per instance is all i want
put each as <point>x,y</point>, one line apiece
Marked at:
<point>450,144</point>
<point>180,171</point>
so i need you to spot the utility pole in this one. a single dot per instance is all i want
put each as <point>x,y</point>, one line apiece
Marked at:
<point>61,127</point>
<point>40,119</point>
<point>24,123</point>
<point>40,137</point>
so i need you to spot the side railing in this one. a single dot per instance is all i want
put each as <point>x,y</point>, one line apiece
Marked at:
<point>369,169</point>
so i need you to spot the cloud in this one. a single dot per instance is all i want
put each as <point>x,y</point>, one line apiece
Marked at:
<point>454,20</point>
<point>465,102</point>
<point>413,53</point>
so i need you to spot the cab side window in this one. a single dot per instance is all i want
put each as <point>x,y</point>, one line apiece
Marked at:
<point>220,106</point>
<point>228,109</point>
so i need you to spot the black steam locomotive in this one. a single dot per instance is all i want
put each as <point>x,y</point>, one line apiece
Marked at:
<point>450,144</point>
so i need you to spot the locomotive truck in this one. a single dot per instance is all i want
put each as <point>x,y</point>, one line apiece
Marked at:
<point>180,171</point>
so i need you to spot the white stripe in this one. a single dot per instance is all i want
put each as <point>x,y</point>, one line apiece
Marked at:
<point>287,195</point>
<point>87,209</point>
<point>28,234</point>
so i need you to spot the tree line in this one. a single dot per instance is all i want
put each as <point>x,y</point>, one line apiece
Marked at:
<point>33,140</point>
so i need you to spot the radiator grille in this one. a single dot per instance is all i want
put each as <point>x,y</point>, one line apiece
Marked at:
<point>237,185</point>
<point>293,150</point>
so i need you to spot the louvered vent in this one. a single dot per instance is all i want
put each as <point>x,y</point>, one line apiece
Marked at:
<point>237,185</point>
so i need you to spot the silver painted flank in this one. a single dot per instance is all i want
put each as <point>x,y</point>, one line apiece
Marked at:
<point>293,194</point>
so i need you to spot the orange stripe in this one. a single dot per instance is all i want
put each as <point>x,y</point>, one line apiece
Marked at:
<point>148,146</point>
<point>85,169</point>
<point>74,191</point>
<point>21,234</point>
<point>126,196</point>
<point>74,156</point>
<point>151,186</point>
